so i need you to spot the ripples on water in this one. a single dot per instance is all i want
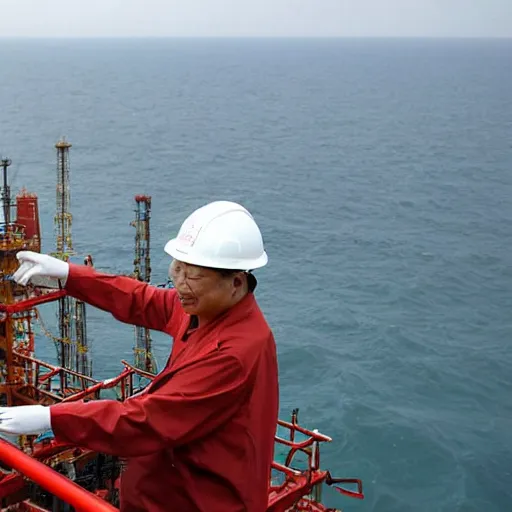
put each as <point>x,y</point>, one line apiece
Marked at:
<point>380,174</point>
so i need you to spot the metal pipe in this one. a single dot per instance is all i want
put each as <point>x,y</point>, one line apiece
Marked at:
<point>54,482</point>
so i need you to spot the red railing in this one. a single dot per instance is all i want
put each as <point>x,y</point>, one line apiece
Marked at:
<point>57,484</point>
<point>25,304</point>
<point>297,483</point>
<point>291,492</point>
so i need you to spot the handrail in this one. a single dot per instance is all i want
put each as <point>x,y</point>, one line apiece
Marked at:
<point>57,484</point>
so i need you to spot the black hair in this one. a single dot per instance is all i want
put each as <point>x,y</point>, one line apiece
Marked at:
<point>251,279</point>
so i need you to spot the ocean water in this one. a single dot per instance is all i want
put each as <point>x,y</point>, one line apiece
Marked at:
<point>380,172</point>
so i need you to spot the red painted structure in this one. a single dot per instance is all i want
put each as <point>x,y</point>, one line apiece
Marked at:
<point>27,214</point>
<point>24,379</point>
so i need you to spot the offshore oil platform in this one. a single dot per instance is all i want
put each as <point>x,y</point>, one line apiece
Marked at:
<point>36,472</point>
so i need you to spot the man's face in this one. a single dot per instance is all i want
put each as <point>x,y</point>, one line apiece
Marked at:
<point>202,291</point>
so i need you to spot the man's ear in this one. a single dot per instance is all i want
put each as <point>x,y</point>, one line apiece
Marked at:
<point>238,281</point>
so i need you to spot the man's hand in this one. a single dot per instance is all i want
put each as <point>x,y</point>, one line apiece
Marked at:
<point>34,264</point>
<point>25,419</point>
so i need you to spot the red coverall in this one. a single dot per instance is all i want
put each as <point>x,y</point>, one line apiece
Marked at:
<point>200,438</point>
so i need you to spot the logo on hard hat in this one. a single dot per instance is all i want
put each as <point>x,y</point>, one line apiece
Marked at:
<point>188,235</point>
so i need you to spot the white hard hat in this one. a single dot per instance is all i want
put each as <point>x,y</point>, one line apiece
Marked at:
<point>221,234</point>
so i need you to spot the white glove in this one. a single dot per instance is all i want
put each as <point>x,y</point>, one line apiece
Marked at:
<point>25,419</point>
<point>40,266</point>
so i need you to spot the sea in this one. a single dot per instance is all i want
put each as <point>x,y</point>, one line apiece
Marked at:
<point>380,173</point>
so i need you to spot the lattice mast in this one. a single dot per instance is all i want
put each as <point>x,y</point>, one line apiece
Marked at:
<point>142,272</point>
<point>72,348</point>
<point>6,192</point>
<point>63,217</point>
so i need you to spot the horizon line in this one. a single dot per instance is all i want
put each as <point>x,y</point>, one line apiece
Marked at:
<point>53,37</point>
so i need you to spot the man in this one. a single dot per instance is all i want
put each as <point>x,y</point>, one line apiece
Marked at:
<point>200,437</point>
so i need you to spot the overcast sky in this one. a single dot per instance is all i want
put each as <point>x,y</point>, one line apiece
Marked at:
<point>121,18</point>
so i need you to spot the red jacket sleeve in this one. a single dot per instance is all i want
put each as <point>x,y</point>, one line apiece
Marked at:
<point>129,300</point>
<point>195,401</point>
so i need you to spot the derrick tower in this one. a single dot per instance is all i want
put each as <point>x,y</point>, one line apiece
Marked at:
<point>6,193</point>
<point>72,346</point>
<point>63,218</point>
<point>142,271</point>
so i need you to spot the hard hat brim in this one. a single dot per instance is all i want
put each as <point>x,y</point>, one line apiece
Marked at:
<point>233,264</point>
